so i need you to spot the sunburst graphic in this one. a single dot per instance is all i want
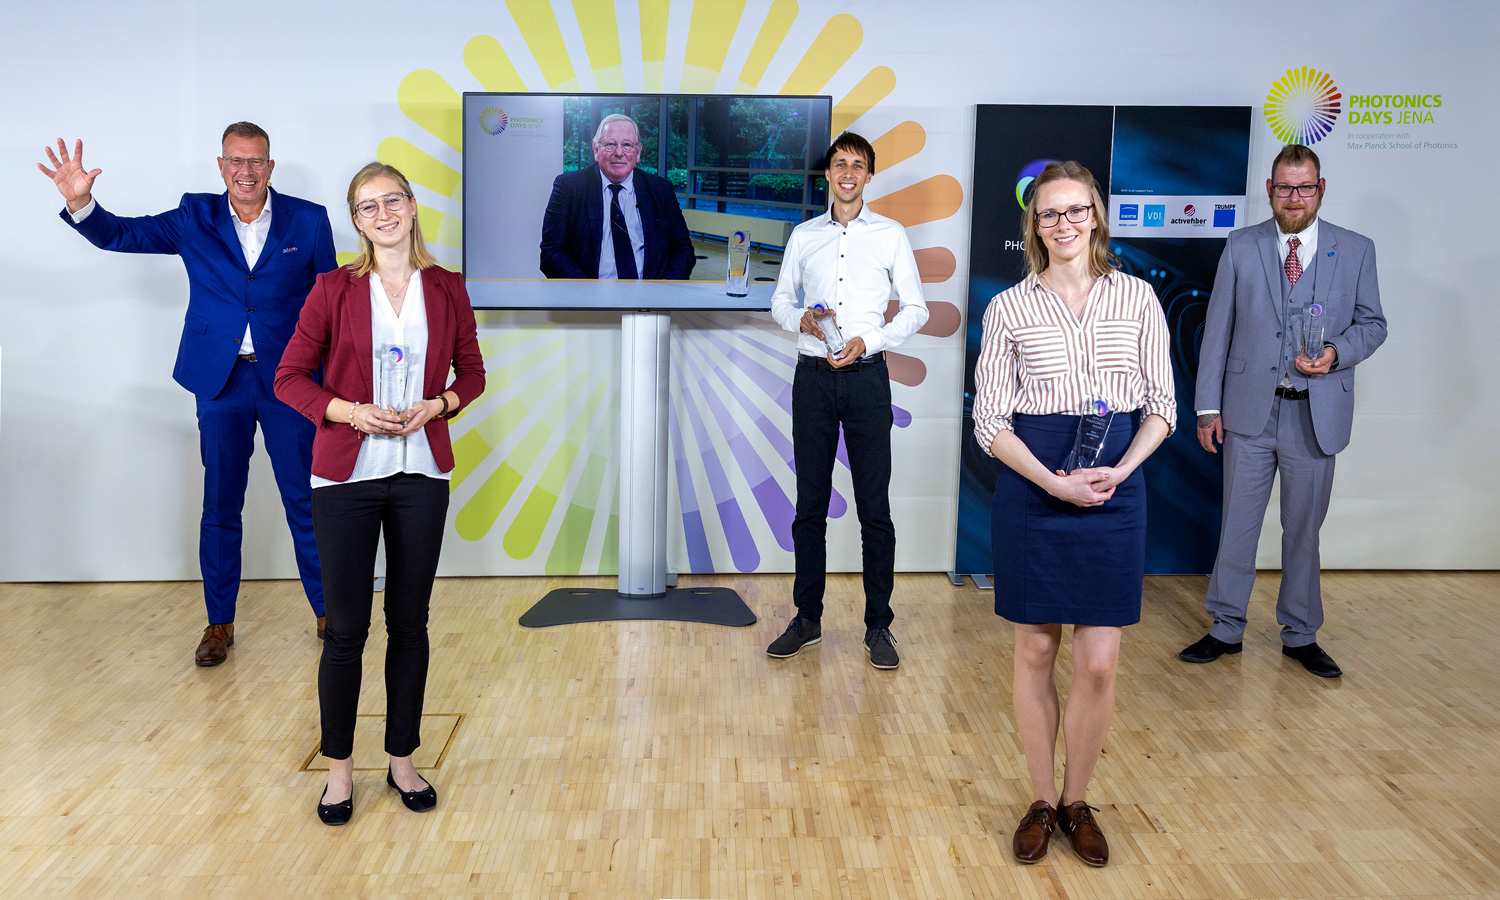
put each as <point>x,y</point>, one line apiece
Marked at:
<point>493,120</point>
<point>535,454</point>
<point>1303,105</point>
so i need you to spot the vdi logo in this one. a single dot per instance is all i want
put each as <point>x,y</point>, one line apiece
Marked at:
<point>1156,216</point>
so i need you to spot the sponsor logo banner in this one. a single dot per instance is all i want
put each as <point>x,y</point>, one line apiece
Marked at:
<point>1197,215</point>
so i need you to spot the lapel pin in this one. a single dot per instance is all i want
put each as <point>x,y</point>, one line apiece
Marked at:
<point>1330,252</point>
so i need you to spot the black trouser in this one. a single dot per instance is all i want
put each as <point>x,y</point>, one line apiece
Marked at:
<point>858,397</point>
<point>347,519</point>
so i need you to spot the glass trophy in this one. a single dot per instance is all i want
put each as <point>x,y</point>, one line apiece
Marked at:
<point>392,367</point>
<point>1088,443</point>
<point>1312,331</point>
<point>737,279</point>
<point>832,337</point>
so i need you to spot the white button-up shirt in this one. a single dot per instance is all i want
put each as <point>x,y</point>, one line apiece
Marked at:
<point>853,271</point>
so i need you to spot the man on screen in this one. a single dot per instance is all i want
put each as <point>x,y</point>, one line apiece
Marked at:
<point>611,221</point>
<point>848,261</point>
<point>251,256</point>
<point>1279,408</point>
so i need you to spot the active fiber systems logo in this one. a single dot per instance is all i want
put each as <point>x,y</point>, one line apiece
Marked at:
<point>493,120</point>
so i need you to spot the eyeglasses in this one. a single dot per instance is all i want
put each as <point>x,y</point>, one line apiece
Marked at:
<point>395,203</point>
<point>622,146</point>
<point>1075,214</point>
<point>1303,190</point>
<point>239,162</point>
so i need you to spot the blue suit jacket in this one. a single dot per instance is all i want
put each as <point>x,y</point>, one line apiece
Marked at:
<point>573,227</point>
<point>1242,343</point>
<point>225,294</point>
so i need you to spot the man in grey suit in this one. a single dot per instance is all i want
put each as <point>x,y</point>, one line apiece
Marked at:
<point>1277,409</point>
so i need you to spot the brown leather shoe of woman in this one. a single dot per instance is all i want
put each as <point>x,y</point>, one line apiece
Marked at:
<point>1077,822</point>
<point>1035,830</point>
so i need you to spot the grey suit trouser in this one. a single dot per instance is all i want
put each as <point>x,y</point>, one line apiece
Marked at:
<point>1287,446</point>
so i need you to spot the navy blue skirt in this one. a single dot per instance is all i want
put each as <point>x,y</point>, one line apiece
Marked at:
<point>1056,563</point>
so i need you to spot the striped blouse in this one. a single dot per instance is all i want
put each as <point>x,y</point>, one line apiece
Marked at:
<point>1037,358</point>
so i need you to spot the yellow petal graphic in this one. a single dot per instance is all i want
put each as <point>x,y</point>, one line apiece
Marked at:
<point>709,35</point>
<point>433,104</point>
<point>829,51</point>
<point>928,200</point>
<point>653,16</point>
<point>601,39</point>
<point>418,165</point>
<point>436,230</point>
<point>871,89</point>
<point>898,145</point>
<point>539,28</point>
<point>487,62</point>
<point>772,32</point>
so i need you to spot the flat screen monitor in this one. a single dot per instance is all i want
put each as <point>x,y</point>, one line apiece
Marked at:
<point>677,175</point>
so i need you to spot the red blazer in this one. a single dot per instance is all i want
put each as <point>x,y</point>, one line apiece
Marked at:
<point>333,333</point>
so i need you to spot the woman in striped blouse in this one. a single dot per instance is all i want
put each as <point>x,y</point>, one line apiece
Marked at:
<point>1070,546</point>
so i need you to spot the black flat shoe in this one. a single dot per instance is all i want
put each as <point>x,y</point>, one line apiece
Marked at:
<point>1314,660</point>
<point>1209,648</point>
<point>416,801</point>
<point>337,813</point>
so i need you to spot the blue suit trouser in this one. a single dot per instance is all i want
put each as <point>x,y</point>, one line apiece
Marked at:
<point>226,440</point>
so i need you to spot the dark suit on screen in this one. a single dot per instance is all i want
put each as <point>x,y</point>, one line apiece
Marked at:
<point>233,396</point>
<point>573,227</point>
<point>1247,346</point>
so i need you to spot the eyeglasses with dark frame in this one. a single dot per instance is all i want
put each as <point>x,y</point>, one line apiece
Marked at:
<point>392,202</point>
<point>1303,190</point>
<point>1076,214</point>
<point>626,146</point>
<point>254,162</point>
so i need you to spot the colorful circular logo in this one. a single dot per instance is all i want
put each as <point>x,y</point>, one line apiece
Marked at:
<point>739,237</point>
<point>1101,408</point>
<point>396,354</point>
<point>1303,105</point>
<point>1029,172</point>
<point>1315,309</point>
<point>1189,209</point>
<point>493,120</point>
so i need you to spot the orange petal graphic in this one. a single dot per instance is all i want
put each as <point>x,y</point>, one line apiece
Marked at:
<point>907,370</point>
<point>936,264</point>
<point>943,318</point>
<point>934,198</point>
<point>899,144</point>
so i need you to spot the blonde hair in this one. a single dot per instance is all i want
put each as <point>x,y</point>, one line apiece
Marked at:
<point>1101,260</point>
<point>364,264</point>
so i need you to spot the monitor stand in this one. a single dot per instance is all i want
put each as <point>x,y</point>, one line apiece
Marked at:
<point>645,355</point>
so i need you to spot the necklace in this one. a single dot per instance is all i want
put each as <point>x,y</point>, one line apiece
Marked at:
<point>395,294</point>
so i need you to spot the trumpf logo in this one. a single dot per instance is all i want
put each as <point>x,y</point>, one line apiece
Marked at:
<point>493,120</point>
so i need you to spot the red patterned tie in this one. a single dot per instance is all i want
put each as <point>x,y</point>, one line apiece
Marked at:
<point>1294,262</point>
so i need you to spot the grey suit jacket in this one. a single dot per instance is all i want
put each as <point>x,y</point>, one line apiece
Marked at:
<point>1241,349</point>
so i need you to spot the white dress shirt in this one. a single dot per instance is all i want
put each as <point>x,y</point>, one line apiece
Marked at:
<point>383,455</point>
<point>632,214</point>
<point>852,271</point>
<point>252,237</point>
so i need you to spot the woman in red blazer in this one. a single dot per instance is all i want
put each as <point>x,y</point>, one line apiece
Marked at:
<point>385,330</point>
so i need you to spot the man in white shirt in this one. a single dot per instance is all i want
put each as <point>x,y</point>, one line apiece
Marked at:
<point>845,264</point>
<point>1278,407</point>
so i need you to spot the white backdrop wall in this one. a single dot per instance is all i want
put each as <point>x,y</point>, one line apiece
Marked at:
<point>99,474</point>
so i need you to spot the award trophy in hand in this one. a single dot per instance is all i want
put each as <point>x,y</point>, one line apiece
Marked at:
<point>1088,443</point>
<point>1311,334</point>
<point>832,337</point>
<point>737,279</point>
<point>391,370</point>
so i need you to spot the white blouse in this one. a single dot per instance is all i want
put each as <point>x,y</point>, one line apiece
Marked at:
<point>1037,358</point>
<point>383,455</point>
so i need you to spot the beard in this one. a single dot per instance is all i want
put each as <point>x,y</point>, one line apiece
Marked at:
<point>1289,225</point>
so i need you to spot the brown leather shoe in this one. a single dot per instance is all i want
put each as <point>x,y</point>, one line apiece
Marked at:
<point>321,621</point>
<point>214,648</point>
<point>1035,830</point>
<point>1077,822</point>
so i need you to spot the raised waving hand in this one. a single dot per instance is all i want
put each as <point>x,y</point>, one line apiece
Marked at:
<point>73,181</point>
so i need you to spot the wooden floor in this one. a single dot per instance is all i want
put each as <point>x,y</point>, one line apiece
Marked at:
<point>656,759</point>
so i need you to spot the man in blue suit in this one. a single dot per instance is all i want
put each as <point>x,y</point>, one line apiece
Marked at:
<point>612,221</point>
<point>1279,408</point>
<point>251,256</point>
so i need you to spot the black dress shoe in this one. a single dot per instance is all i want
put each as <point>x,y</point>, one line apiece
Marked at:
<point>1314,660</point>
<point>416,801</point>
<point>337,813</point>
<point>1209,649</point>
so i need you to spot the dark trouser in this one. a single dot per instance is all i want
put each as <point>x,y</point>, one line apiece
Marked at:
<point>226,438</point>
<point>348,519</point>
<point>857,397</point>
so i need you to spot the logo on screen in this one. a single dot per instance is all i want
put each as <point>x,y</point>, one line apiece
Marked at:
<point>1130,212</point>
<point>493,120</point>
<point>1189,210</point>
<point>1029,172</point>
<point>1223,215</point>
<point>1156,217</point>
<point>1303,105</point>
